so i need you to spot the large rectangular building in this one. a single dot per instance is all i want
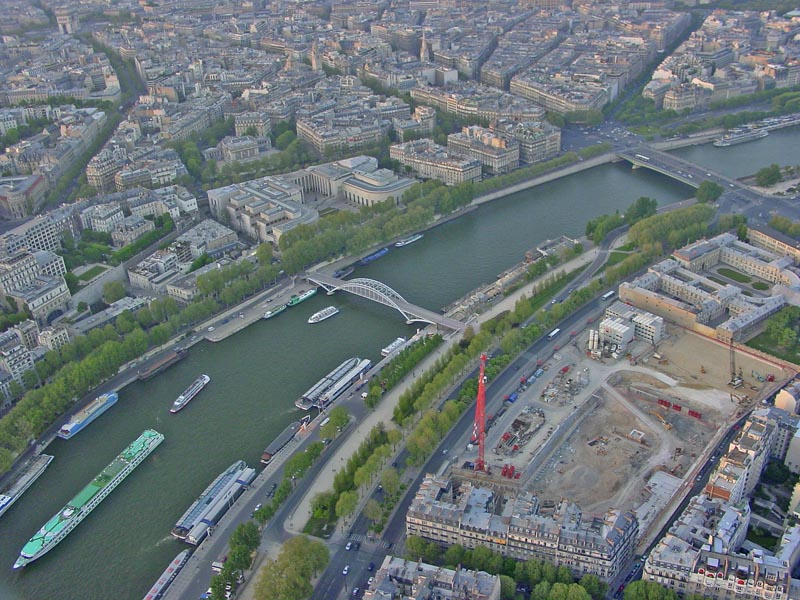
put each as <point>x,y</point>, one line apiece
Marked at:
<point>497,154</point>
<point>449,512</point>
<point>261,208</point>
<point>431,161</point>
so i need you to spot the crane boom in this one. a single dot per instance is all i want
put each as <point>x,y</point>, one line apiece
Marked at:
<point>480,417</point>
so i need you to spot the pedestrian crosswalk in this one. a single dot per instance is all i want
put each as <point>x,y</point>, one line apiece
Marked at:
<point>365,539</point>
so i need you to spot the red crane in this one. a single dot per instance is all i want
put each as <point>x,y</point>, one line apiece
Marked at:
<point>480,417</point>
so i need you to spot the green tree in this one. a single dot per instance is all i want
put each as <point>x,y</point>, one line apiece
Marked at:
<point>264,254</point>
<point>239,558</point>
<point>346,504</point>
<point>708,191</point>
<point>390,480</point>
<point>642,208</point>
<point>648,590</point>
<point>454,555</point>
<point>283,140</point>
<point>508,588</point>
<point>30,379</point>
<point>594,586</point>
<point>113,291</point>
<point>72,281</point>
<point>247,535</point>
<point>323,505</point>
<point>769,176</point>
<point>373,510</point>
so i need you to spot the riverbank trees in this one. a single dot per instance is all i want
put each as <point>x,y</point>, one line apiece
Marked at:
<point>89,360</point>
<point>347,233</point>
<point>288,577</point>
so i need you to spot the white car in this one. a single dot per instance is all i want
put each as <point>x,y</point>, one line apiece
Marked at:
<point>346,570</point>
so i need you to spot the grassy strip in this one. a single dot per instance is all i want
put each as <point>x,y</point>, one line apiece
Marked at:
<point>91,273</point>
<point>735,275</point>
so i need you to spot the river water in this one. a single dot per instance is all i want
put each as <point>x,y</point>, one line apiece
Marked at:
<point>122,547</point>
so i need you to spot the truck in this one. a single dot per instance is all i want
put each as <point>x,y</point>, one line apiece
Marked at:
<point>538,372</point>
<point>511,398</point>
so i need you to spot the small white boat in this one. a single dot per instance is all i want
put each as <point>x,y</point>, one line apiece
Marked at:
<point>325,313</point>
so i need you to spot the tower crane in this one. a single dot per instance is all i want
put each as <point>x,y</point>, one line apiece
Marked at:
<point>480,418</point>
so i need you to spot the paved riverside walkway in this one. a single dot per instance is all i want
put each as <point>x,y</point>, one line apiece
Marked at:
<point>383,413</point>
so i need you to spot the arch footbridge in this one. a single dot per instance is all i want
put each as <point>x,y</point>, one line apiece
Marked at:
<point>383,294</point>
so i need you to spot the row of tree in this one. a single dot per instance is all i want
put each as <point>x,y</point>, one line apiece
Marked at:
<point>545,580</point>
<point>244,541</point>
<point>674,228</point>
<point>402,364</point>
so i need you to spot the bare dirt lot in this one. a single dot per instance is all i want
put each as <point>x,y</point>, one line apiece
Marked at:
<point>594,456</point>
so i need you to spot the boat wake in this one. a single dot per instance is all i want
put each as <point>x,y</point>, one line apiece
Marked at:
<point>165,540</point>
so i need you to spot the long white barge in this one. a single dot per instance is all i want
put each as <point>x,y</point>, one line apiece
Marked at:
<point>214,502</point>
<point>334,383</point>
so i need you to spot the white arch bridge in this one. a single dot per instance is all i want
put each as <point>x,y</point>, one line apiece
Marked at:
<point>383,294</point>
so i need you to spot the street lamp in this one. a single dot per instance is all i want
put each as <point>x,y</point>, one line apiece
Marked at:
<point>345,582</point>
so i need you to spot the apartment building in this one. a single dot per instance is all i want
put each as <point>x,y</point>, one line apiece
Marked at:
<point>15,358</point>
<point>130,229</point>
<point>207,237</point>
<point>400,578</point>
<point>431,161</point>
<point>53,338</point>
<point>740,468</point>
<point>155,271</point>
<point>538,140</point>
<point>252,123</point>
<point>694,301</point>
<point>701,555</point>
<point>496,153</point>
<point>101,217</point>
<point>449,512</point>
<point>43,232</point>
<point>728,250</point>
<point>45,297</point>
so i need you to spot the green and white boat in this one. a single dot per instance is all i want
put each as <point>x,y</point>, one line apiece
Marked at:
<point>295,300</point>
<point>77,509</point>
<point>274,312</point>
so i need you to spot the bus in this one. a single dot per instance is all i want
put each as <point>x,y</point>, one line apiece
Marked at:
<point>216,566</point>
<point>642,157</point>
<point>553,333</point>
<point>608,295</point>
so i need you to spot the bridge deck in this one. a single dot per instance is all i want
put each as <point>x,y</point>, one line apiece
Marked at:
<point>397,302</point>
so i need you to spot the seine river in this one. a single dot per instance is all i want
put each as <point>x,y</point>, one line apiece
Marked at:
<point>122,547</point>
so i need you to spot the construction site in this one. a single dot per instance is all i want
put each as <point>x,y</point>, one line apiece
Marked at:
<point>622,433</point>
